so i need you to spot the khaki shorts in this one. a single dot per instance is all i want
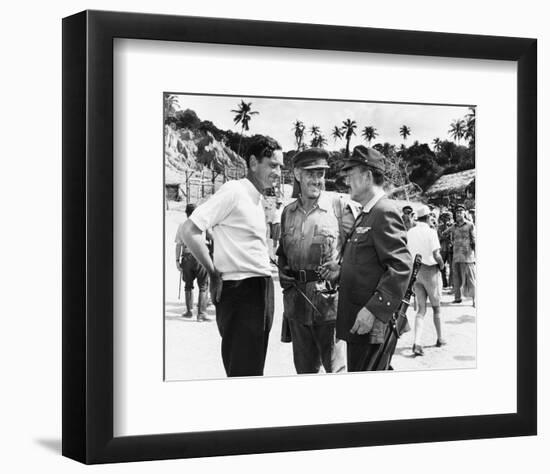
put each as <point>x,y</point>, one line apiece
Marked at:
<point>428,285</point>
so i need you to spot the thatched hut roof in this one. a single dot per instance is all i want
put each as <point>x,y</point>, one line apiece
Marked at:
<point>452,183</point>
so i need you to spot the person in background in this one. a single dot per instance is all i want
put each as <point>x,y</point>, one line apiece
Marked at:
<point>422,240</point>
<point>408,216</point>
<point>434,217</point>
<point>464,267</point>
<point>445,240</point>
<point>240,273</point>
<point>190,270</point>
<point>276,223</point>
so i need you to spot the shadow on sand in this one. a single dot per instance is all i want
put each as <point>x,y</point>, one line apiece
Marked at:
<point>465,318</point>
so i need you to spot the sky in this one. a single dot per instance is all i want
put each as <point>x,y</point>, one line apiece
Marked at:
<point>277,116</point>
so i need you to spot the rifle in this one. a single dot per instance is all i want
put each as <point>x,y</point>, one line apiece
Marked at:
<point>397,325</point>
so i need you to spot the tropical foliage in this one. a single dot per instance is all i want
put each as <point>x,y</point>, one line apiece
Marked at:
<point>418,163</point>
<point>348,130</point>
<point>457,130</point>
<point>243,115</point>
<point>171,105</point>
<point>299,129</point>
<point>336,133</point>
<point>404,131</point>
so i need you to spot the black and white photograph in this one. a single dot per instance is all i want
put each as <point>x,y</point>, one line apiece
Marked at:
<point>313,236</point>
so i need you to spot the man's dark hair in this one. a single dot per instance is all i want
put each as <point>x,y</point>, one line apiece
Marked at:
<point>260,147</point>
<point>377,175</point>
<point>190,208</point>
<point>425,218</point>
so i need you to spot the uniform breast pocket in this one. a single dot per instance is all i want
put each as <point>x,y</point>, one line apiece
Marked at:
<point>363,248</point>
<point>324,239</point>
<point>288,236</point>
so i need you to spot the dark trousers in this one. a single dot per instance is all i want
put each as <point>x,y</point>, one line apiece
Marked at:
<point>359,355</point>
<point>316,345</point>
<point>447,257</point>
<point>244,316</point>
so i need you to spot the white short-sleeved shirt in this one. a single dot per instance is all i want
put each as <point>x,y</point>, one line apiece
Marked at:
<point>277,213</point>
<point>235,214</point>
<point>179,238</point>
<point>423,240</point>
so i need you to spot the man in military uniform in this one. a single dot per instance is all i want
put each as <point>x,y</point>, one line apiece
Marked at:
<point>464,267</point>
<point>313,229</point>
<point>190,270</point>
<point>445,238</point>
<point>376,263</point>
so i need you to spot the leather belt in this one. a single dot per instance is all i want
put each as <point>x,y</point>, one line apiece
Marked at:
<point>304,276</point>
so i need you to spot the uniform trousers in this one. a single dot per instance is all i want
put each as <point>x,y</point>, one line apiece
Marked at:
<point>316,345</point>
<point>360,355</point>
<point>464,279</point>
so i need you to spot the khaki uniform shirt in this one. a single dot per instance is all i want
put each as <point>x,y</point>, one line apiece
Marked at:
<point>308,240</point>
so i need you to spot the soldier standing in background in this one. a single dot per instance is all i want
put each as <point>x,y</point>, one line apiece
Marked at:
<point>190,270</point>
<point>464,267</point>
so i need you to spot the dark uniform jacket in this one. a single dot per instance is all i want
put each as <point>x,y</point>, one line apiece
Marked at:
<point>375,271</point>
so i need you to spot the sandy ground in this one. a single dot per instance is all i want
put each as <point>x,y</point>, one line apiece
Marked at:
<point>192,349</point>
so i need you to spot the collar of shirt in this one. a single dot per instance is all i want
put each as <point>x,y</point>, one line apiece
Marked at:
<point>377,196</point>
<point>323,203</point>
<point>252,190</point>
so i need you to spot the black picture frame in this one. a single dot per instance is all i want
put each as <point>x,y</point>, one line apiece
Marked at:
<point>88,236</point>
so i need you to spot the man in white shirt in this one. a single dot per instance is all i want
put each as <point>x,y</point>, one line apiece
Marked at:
<point>423,240</point>
<point>240,273</point>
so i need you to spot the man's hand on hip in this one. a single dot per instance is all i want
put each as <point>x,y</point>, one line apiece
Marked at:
<point>363,322</point>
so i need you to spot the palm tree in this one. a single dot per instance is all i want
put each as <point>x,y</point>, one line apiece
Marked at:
<point>171,105</point>
<point>348,129</point>
<point>318,141</point>
<point>314,130</point>
<point>243,116</point>
<point>369,133</point>
<point>457,130</point>
<point>470,132</point>
<point>336,133</point>
<point>437,144</point>
<point>299,129</point>
<point>404,131</point>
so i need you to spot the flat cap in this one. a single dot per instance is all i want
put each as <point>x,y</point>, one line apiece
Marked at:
<point>422,211</point>
<point>311,158</point>
<point>362,155</point>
